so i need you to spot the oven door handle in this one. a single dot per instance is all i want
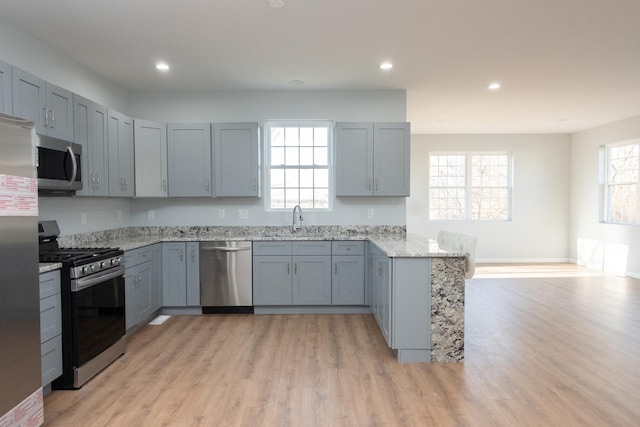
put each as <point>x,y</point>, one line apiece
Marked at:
<point>94,279</point>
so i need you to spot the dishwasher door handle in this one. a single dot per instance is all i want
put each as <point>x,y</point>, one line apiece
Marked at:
<point>224,249</point>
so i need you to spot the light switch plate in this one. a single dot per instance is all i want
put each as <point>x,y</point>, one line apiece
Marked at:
<point>220,213</point>
<point>151,214</point>
<point>243,213</point>
<point>371,212</point>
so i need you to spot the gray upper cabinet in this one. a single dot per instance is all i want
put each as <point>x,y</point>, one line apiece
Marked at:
<point>150,142</point>
<point>189,160</point>
<point>5,88</point>
<point>236,154</point>
<point>90,131</point>
<point>120,137</point>
<point>372,159</point>
<point>49,106</point>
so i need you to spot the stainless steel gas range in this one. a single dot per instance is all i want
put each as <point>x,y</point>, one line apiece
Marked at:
<point>93,306</point>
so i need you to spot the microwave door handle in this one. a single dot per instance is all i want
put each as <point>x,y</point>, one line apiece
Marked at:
<point>74,163</point>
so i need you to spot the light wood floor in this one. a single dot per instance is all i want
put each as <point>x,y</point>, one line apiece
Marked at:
<point>546,345</point>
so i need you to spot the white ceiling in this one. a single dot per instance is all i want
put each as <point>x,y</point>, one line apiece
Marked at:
<point>565,65</point>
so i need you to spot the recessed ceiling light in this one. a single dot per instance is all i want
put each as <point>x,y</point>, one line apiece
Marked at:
<point>276,4</point>
<point>386,66</point>
<point>494,86</point>
<point>162,66</point>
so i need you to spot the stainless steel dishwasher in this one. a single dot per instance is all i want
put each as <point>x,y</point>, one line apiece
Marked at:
<point>226,277</point>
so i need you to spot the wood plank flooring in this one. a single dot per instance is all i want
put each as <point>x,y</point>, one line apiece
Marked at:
<point>546,345</point>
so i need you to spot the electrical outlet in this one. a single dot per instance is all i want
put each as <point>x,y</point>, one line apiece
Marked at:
<point>83,218</point>
<point>151,214</point>
<point>243,214</point>
<point>371,212</point>
<point>220,213</point>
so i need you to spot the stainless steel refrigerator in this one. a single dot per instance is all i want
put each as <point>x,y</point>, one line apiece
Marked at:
<point>20,371</point>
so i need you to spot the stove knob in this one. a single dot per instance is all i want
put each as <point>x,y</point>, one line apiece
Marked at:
<point>84,270</point>
<point>103,265</point>
<point>116,261</point>
<point>92,267</point>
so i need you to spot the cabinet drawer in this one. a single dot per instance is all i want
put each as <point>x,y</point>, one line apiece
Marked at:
<point>344,247</point>
<point>50,317</point>
<point>320,247</point>
<point>51,357</point>
<point>49,284</point>
<point>138,256</point>
<point>272,248</point>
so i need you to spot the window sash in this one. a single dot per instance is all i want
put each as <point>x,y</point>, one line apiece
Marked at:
<point>622,183</point>
<point>298,159</point>
<point>474,192</point>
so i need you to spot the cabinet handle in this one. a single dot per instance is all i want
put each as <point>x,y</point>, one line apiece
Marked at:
<point>206,185</point>
<point>126,184</point>
<point>376,184</point>
<point>97,181</point>
<point>288,268</point>
<point>46,117</point>
<point>295,268</point>
<point>254,185</point>
<point>164,184</point>
<point>193,254</point>
<point>53,119</point>
<point>369,184</point>
<point>335,268</point>
<point>181,255</point>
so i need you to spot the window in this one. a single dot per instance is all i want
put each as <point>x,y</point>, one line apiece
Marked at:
<point>470,186</point>
<point>621,187</point>
<point>298,164</point>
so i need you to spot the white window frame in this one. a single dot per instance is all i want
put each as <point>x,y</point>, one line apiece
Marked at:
<point>468,184</point>
<point>268,124</point>
<point>607,184</point>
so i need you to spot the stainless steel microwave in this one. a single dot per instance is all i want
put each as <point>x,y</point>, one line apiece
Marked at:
<point>59,165</point>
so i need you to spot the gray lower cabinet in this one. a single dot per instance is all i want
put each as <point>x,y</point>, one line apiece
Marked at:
<point>348,282</point>
<point>5,88</point>
<point>180,274</point>
<point>139,285</point>
<point>156,289</point>
<point>50,326</point>
<point>381,292</point>
<point>292,273</point>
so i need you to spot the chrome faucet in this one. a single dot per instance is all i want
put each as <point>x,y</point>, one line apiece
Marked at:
<point>297,219</point>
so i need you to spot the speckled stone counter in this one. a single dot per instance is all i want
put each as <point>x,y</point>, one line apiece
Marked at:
<point>447,283</point>
<point>46,267</point>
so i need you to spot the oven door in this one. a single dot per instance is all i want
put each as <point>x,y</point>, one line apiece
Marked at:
<point>98,313</point>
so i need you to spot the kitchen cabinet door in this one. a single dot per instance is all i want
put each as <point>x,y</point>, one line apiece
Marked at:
<point>150,142</point>
<point>272,280</point>
<point>120,141</point>
<point>29,98</point>
<point>90,131</point>
<point>236,159</point>
<point>59,103</point>
<point>347,285</point>
<point>312,280</point>
<point>391,159</point>
<point>6,96</point>
<point>193,274</point>
<point>354,159</point>
<point>137,282</point>
<point>189,160</point>
<point>156,281</point>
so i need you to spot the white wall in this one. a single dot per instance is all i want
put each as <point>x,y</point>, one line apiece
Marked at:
<point>23,51</point>
<point>611,247</point>
<point>539,227</point>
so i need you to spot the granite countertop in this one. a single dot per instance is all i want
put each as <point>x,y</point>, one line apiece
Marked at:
<point>391,240</point>
<point>49,266</point>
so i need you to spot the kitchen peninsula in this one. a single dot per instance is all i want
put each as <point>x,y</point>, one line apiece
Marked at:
<point>415,289</point>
